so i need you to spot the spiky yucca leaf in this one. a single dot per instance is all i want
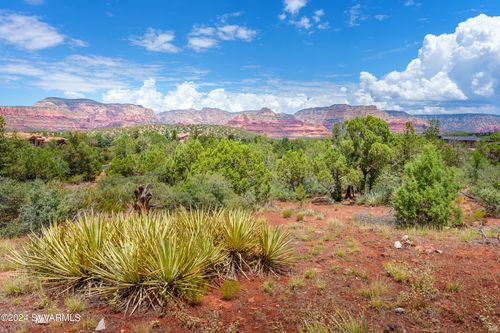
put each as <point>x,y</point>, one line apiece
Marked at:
<point>238,232</point>
<point>275,253</point>
<point>54,257</point>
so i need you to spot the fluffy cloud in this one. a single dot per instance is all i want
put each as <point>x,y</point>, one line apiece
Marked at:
<point>307,23</point>
<point>294,6</point>
<point>187,95</point>
<point>463,66</point>
<point>156,41</point>
<point>203,38</point>
<point>28,32</point>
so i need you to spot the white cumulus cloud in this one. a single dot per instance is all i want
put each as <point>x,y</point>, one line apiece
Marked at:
<point>463,66</point>
<point>294,6</point>
<point>28,32</point>
<point>156,41</point>
<point>187,95</point>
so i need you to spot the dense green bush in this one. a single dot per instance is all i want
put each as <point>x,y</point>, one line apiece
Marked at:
<point>44,205</point>
<point>12,197</point>
<point>382,191</point>
<point>211,191</point>
<point>427,192</point>
<point>292,169</point>
<point>487,188</point>
<point>241,165</point>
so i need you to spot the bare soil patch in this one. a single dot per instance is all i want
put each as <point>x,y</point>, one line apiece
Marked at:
<point>340,250</point>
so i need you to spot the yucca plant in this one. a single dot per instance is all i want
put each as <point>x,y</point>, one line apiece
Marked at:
<point>120,272</point>
<point>138,260</point>
<point>275,252</point>
<point>54,257</point>
<point>239,236</point>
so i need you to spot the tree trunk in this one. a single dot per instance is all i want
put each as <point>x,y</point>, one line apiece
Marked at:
<point>143,196</point>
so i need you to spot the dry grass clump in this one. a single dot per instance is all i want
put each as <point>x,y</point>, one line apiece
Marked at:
<point>340,322</point>
<point>398,272</point>
<point>135,260</point>
<point>229,289</point>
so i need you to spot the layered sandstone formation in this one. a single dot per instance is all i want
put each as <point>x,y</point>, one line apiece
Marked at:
<point>78,114</point>
<point>205,116</point>
<point>338,113</point>
<point>276,125</point>
<point>81,114</point>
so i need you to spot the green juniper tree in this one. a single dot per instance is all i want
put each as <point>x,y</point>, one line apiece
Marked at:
<point>426,195</point>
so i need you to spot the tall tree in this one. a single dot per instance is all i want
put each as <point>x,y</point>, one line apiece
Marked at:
<point>366,146</point>
<point>293,168</point>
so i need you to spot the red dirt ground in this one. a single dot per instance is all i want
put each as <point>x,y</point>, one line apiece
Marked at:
<point>471,264</point>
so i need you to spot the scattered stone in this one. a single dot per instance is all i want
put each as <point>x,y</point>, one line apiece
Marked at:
<point>101,326</point>
<point>438,251</point>
<point>399,310</point>
<point>405,238</point>
<point>397,245</point>
<point>391,327</point>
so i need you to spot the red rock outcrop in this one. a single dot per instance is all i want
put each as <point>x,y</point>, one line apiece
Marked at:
<point>276,125</point>
<point>80,114</point>
<point>338,113</point>
<point>206,116</point>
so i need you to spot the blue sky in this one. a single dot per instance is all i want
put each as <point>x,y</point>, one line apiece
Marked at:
<point>238,55</point>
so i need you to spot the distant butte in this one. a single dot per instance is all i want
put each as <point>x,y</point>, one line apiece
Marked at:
<point>55,114</point>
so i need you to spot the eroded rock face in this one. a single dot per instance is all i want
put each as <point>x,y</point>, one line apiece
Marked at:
<point>276,125</point>
<point>81,114</point>
<point>338,113</point>
<point>77,114</point>
<point>466,122</point>
<point>206,116</point>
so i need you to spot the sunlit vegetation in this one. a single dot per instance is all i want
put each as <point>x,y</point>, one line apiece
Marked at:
<point>136,260</point>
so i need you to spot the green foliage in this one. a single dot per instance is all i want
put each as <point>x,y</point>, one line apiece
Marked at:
<point>286,213</point>
<point>82,159</point>
<point>12,198</point>
<point>136,260</point>
<point>229,289</point>
<point>44,163</point>
<point>292,169</point>
<point>300,194</point>
<point>366,147</point>
<point>211,191</point>
<point>432,131</point>
<point>338,323</point>
<point>241,165</point>
<point>426,194</point>
<point>331,169</point>
<point>44,205</point>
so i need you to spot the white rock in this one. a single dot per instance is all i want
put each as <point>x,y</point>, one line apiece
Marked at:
<point>397,245</point>
<point>399,310</point>
<point>101,326</point>
<point>405,238</point>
